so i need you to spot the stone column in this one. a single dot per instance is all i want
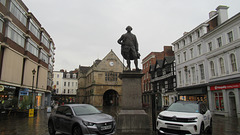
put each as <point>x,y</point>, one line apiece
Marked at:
<point>132,118</point>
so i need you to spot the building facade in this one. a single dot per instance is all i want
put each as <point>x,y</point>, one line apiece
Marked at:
<point>163,80</point>
<point>99,84</point>
<point>65,86</point>
<point>208,63</point>
<point>149,60</point>
<point>26,58</point>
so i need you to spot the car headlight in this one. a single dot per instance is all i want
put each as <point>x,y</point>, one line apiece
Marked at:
<point>88,123</point>
<point>193,119</point>
<point>160,117</point>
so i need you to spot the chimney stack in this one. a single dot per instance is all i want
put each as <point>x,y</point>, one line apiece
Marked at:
<point>212,13</point>
<point>222,14</point>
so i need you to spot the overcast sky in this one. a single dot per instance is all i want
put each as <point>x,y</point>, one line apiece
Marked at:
<point>86,30</point>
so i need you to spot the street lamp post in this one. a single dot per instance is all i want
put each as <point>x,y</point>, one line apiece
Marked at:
<point>154,107</point>
<point>33,72</point>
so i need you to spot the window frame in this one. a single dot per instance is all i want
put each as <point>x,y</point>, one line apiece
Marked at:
<point>201,70</point>
<point>219,41</point>
<point>222,66</point>
<point>233,62</point>
<point>199,46</point>
<point>212,69</point>
<point>230,36</point>
<point>210,46</point>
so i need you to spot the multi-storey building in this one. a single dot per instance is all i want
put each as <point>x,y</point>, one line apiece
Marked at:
<point>99,84</point>
<point>149,60</point>
<point>65,86</point>
<point>27,55</point>
<point>207,64</point>
<point>163,80</point>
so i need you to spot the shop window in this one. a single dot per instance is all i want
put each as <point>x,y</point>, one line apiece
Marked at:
<point>219,101</point>
<point>166,100</point>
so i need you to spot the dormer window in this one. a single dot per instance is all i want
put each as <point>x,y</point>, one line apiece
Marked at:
<point>74,76</point>
<point>68,75</point>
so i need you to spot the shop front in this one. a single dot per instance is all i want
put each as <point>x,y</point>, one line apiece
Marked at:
<point>8,97</point>
<point>64,99</point>
<point>196,93</point>
<point>225,99</point>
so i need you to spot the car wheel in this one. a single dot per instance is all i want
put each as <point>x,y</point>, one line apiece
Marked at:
<point>201,129</point>
<point>209,131</point>
<point>77,130</point>
<point>51,129</point>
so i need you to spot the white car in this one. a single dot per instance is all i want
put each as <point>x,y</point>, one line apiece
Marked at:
<point>185,117</point>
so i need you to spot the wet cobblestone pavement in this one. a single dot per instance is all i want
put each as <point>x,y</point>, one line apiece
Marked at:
<point>13,125</point>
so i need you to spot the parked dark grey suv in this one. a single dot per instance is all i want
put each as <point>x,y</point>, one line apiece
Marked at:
<point>80,119</point>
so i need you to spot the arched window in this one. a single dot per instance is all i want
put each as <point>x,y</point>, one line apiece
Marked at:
<point>222,69</point>
<point>212,68</point>
<point>233,62</point>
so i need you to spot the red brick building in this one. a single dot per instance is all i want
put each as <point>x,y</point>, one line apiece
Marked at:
<point>149,60</point>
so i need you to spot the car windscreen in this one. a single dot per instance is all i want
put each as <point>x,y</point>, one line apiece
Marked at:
<point>85,110</point>
<point>184,107</point>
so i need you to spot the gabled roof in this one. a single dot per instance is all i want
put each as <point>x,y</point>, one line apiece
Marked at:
<point>151,68</point>
<point>71,73</point>
<point>83,69</point>
<point>169,59</point>
<point>159,64</point>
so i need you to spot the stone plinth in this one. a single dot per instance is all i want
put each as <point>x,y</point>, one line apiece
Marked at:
<point>132,118</point>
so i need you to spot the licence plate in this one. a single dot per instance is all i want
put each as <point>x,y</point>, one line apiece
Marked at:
<point>106,127</point>
<point>173,127</point>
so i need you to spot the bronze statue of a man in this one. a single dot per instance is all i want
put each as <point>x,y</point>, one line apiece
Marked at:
<point>129,47</point>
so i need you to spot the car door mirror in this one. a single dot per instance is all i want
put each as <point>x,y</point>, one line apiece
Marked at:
<point>202,112</point>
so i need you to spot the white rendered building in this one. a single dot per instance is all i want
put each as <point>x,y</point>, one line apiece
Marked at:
<point>65,85</point>
<point>207,63</point>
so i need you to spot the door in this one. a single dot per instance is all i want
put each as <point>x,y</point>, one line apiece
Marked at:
<point>67,120</point>
<point>232,105</point>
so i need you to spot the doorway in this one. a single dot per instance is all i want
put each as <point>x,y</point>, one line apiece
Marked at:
<point>232,105</point>
<point>110,98</point>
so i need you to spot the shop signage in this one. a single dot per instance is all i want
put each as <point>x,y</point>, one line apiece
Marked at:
<point>227,86</point>
<point>1,87</point>
<point>9,87</point>
<point>24,92</point>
